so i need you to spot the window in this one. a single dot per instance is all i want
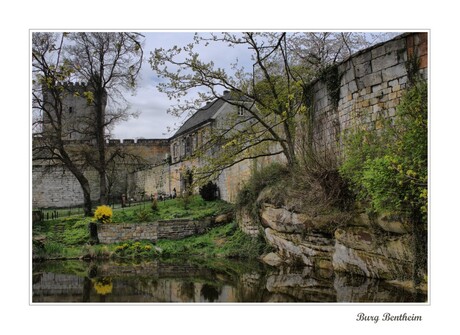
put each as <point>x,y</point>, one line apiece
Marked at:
<point>175,151</point>
<point>240,110</point>
<point>70,109</point>
<point>195,141</point>
<point>188,146</point>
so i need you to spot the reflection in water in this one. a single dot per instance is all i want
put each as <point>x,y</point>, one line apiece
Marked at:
<point>210,293</point>
<point>185,282</point>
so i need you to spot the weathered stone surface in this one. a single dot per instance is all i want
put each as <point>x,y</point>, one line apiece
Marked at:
<point>385,61</point>
<point>224,218</point>
<point>313,251</point>
<point>394,72</point>
<point>286,243</point>
<point>371,79</point>
<point>369,264</point>
<point>272,259</point>
<point>282,220</point>
<point>363,69</point>
<point>392,224</point>
<point>356,249</point>
<point>360,238</point>
<point>361,220</point>
<point>246,224</point>
<point>397,247</point>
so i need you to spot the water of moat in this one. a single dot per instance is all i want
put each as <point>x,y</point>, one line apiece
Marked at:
<point>188,281</point>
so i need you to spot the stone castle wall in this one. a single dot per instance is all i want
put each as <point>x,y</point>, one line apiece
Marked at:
<point>371,85</point>
<point>57,187</point>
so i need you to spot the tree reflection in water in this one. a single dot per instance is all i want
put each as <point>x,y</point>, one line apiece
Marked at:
<point>184,282</point>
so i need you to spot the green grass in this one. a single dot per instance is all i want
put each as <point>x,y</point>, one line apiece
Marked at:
<point>171,209</point>
<point>60,238</point>
<point>226,241</point>
<point>69,237</point>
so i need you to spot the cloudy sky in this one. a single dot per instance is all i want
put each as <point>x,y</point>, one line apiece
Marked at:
<point>153,121</point>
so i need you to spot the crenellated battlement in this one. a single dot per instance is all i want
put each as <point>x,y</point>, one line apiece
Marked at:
<point>72,84</point>
<point>139,142</point>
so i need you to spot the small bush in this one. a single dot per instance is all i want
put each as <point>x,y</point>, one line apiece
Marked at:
<point>268,176</point>
<point>154,205</point>
<point>138,249</point>
<point>209,191</point>
<point>389,169</point>
<point>103,214</point>
<point>143,215</point>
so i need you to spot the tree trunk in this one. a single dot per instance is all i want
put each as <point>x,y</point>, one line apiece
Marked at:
<point>84,183</point>
<point>82,180</point>
<point>103,188</point>
<point>100,140</point>
<point>87,204</point>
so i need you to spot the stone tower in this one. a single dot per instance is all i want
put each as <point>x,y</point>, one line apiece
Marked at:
<point>78,113</point>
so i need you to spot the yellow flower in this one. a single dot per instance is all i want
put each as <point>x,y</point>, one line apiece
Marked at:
<point>103,285</point>
<point>103,214</point>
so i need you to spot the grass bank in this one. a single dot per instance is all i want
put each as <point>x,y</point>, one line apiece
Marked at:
<point>68,238</point>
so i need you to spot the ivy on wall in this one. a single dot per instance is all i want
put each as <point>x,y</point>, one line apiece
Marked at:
<point>331,77</point>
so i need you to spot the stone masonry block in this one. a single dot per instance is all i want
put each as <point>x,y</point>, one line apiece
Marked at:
<point>365,57</point>
<point>370,80</point>
<point>388,47</point>
<point>363,69</point>
<point>378,51</point>
<point>393,83</point>
<point>348,76</point>
<point>402,80</point>
<point>394,72</point>
<point>352,87</point>
<point>385,61</point>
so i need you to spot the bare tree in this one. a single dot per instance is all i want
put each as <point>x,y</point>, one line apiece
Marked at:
<point>269,105</point>
<point>109,63</point>
<point>271,92</point>
<point>50,120</point>
<point>319,49</point>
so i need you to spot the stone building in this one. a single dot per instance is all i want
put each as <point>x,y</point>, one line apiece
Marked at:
<point>194,134</point>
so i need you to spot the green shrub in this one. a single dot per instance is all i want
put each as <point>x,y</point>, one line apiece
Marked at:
<point>138,249</point>
<point>209,191</point>
<point>143,215</point>
<point>267,176</point>
<point>154,205</point>
<point>388,169</point>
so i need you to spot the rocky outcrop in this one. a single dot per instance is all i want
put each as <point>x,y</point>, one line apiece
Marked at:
<point>311,250</point>
<point>381,248</point>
